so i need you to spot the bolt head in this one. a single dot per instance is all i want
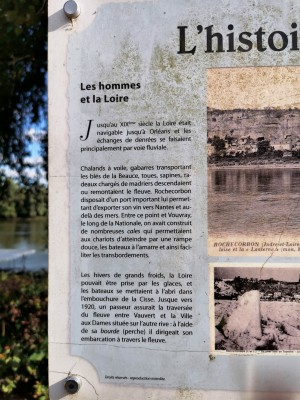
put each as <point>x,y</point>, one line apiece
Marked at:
<point>71,9</point>
<point>72,384</point>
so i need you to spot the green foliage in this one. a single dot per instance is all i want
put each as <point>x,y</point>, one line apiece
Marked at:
<point>23,334</point>
<point>23,300</point>
<point>23,61</point>
<point>19,201</point>
<point>8,195</point>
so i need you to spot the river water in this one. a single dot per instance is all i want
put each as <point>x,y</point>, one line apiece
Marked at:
<point>254,202</point>
<point>24,236</point>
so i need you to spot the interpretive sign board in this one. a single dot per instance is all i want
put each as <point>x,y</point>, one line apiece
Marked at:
<point>174,217</point>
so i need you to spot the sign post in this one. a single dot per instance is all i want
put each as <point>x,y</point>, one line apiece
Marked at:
<point>142,128</point>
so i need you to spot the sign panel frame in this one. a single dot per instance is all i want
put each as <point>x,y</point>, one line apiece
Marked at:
<point>132,106</point>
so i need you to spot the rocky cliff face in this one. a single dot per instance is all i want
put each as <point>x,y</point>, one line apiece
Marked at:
<point>271,124</point>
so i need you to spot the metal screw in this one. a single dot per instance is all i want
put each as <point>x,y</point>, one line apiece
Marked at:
<point>72,384</point>
<point>71,9</point>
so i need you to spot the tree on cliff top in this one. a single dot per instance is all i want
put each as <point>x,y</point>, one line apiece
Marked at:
<point>23,60</point>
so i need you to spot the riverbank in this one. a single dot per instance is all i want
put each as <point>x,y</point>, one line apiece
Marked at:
<point>23,244</point>
<point>23,339</point>
<point>24,234</point>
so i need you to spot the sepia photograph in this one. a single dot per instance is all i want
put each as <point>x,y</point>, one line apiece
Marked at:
<point>253,152</point>
<point>257,309</point>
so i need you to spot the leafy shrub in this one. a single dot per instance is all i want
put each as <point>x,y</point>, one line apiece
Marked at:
<point>23,335</point>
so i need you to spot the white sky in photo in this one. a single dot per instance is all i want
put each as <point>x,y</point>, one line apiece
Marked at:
<point>253,88</point>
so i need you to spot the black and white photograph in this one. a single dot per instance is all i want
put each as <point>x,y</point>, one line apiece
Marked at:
<point>257,308</point>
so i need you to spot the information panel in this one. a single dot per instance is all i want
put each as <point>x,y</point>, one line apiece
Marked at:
<point>179,196</point>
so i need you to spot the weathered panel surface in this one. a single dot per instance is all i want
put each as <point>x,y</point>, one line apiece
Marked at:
<point>129,267</point>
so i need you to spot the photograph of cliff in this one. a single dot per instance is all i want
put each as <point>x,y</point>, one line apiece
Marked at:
<point>253,153</point>
<point>268,136</point>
